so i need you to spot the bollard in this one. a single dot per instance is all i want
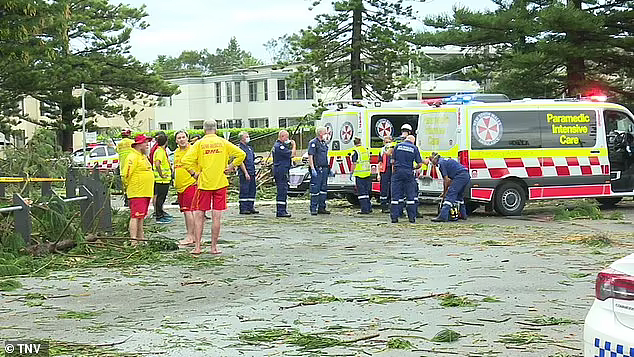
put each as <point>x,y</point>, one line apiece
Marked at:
<point>87,208</point>
<point>71,182</point>
<point>23,223</point>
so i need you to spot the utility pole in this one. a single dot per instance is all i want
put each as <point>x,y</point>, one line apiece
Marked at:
<point>83,119</point>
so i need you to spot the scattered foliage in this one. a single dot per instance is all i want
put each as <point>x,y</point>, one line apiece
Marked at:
<point>451,300</point>
<point>399,344</point>
<point>446,335</point>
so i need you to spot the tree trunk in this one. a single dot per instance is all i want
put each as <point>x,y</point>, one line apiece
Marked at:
<point>356,66</point>
<point>575,65</point>
<point>68,126</point>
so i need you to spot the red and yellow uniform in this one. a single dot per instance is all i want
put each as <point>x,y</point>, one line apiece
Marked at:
<point>139,180</point>
<point>211,154</point>
<point>184,182</point>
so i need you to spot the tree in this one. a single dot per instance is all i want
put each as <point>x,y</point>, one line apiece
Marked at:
<point>89,41</point>
<point>362,47</point>
<point>543,48</point>
<point>195,63</point>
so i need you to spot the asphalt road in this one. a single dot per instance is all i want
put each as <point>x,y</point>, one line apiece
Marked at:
<point>345,277</point>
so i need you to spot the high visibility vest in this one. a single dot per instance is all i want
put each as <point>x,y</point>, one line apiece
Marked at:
<point>362,168</point>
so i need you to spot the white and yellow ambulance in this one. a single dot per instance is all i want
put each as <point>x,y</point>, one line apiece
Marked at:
<point>532,149</point>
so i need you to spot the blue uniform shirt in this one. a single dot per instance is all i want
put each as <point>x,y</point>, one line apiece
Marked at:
<point>319,150</point>
<point>405,154</point>
<point>450,168</point>
<point>249,159</point>
<point>282,155</point>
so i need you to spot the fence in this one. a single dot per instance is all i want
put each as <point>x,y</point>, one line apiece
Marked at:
<point>93,198</point>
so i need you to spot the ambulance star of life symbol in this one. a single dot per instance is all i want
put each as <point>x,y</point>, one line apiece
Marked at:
<point>384,128</point>
<point>346,132</point>
<point>487,128</point>
<point>328,134</point>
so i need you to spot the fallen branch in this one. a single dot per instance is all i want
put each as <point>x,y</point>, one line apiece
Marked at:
<point>194,282</point>
<point>363,338</point>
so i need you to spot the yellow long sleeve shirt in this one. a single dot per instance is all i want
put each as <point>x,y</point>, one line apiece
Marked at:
<point>138,176</point>
<point>211,154</point>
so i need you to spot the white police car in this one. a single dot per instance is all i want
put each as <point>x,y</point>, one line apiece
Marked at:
<point>609,327</point>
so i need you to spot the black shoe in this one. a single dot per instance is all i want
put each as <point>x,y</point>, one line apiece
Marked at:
<point>323,211</point>
<point>412,220</point>
<point>394,220</point>
<point>254,211</point>
<point>245,212</point>
<point>385,210</point>
<point>361,212</point>
<point>438,219</point>
<point>283,214</point>
<point>313,213</point>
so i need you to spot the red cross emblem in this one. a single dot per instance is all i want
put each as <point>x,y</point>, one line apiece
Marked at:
<point>384,128</point>
<point>487,128</point>
<point>346,132</point>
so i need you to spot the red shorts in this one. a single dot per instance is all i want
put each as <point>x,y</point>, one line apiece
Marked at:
<point>138,206</point>
<point>186,198</point>
<point>203,200</point>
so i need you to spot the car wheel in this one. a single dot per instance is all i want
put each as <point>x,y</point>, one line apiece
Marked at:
<point>510,199</point>
<point>353,199</point>
<point>609,201</point>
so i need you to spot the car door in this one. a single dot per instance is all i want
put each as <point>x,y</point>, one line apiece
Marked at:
<point>619,129</point>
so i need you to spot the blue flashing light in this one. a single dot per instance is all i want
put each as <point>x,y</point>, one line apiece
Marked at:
<point>459,99</point>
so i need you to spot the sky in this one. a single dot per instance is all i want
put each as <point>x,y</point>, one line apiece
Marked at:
<point>178,25</point>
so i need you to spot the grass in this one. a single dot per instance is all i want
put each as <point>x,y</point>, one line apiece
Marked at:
<point>322,299</point>
<point>305,341</point>
<point>446,335</point>
<point>578,275</point>
<point>78,315</point>
<point>521,338</point>
<point>9,285</point>
<point>599,240</point>
<point>584,210</point>
<point>552,321</point>
<point>399,344</point>
<point>451,300</point>
<point>491,299</point>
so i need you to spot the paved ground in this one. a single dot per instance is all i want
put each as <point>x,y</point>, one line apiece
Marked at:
<point>360,278</point>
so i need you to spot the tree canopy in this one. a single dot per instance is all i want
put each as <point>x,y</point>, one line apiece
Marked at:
<point>194,62</point>
<point>86,42</point>
<point>542,48</point>
<point>362,47</point>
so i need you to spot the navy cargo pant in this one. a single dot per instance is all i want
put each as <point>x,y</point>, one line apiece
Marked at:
<point>281,183</point>
<point>386,189</point>
<point>247,193</point>
<point>403,184</point>
<point>319,189</point>
<point>455,194</point>
<point>363,193</point>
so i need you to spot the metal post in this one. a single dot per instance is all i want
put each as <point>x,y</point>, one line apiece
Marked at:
<point>23,223</point>
<point>3,192</point>
<point>83,119</point>
<point>71,182</point>
<point>87,209</point>
<point>47,191</point>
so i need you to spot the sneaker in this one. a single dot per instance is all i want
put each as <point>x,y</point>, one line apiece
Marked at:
<point>394,220</point>
<point>323,211</point>
<point>168,215</point>
<point>313,213</point>
<point>286,214</point>
<point>362,212</point>
<point>163,220</point>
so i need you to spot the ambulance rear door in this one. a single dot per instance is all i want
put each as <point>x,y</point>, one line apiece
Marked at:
<point>341,128</point>
<point>437,132</point>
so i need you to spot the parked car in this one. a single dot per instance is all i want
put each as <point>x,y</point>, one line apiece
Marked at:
<point>105,157</point>
<point>609,325</point>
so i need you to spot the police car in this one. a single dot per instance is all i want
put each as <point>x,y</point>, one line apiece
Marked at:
<point>609,326</point>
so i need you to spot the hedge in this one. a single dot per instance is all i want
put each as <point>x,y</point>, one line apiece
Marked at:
<point>262,139</point>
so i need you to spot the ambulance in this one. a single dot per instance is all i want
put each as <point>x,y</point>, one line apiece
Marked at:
<point>531,150</point>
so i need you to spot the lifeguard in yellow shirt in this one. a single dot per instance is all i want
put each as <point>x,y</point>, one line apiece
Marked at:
<point>138,179</point>
<point>211,154</point>
<point>124,147</point>
<point>185,184</point>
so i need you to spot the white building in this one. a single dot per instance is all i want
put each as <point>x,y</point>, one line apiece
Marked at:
<point>258,97</point>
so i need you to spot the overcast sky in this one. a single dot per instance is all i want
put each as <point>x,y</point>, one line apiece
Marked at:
<point>178,25</point>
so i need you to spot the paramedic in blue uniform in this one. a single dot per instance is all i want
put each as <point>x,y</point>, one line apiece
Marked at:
<point>247,176</point>
<point>403,181</point>
<point>456,179</point>
<point>385,173</point>
<point>319,172</point>
<point>283,152</point>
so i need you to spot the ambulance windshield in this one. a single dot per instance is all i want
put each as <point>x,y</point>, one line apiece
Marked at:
<point>437,130</point>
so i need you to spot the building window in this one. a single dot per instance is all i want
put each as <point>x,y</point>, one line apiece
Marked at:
<point>197,124</point>
<point>253,91</point>
<point>237,91</point>
<point>285,122</point>
<point>218,92</point>
<point>229,91</point>
<point>281,89</point>
<point>165,126</point>
<point>303,92</point>
<point>219,124</point>
<point>266,89</point>
<point>259,122</point>
<point>234,123</point>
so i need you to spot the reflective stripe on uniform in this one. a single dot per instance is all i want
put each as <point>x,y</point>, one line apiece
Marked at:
<point>364,196</point>
<point>281,203</point>
<point>394,202</point>
<point>411,202</point>
<point>447,203</point>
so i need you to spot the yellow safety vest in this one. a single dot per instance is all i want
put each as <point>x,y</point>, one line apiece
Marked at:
<point>362,168</point>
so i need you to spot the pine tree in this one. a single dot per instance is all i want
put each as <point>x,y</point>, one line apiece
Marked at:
<point>362,47</point>
<point>89,44</point>
<point>543,48</point>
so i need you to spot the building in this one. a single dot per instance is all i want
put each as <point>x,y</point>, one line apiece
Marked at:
<point>257,97</point>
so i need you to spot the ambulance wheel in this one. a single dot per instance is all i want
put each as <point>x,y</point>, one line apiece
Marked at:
<point>353,199</point>
<point>510,199</point>
<point>609,201</point>
<point>472,206</point>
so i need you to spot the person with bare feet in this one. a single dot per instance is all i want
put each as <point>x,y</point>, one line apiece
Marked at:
<point>211,154</point>
<point>138,179</point>
<point>185,184</point>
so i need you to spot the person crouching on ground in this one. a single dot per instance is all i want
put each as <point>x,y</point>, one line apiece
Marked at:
<point>211,154</point>
<point>185,184</point>
<point>456,179</point>
<point>139,182</point>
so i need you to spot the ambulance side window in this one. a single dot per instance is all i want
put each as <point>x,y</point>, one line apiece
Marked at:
<point>382,124</point>
<point>617,121</point>
<point>568,128</point>
<point>505,130</point>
